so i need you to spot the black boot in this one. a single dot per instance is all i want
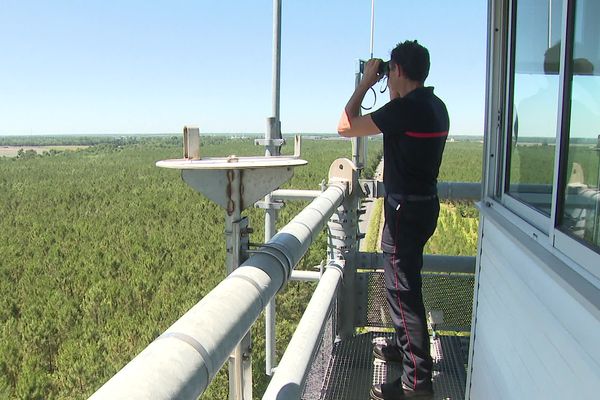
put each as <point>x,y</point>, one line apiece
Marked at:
<point>388,352</point>
<point>399,391</point>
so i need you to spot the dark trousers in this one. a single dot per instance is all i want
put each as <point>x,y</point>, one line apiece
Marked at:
<point>405,233</point>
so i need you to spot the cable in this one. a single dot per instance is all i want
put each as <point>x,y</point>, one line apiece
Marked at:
<point>374,101</point>
<point>382,89</point>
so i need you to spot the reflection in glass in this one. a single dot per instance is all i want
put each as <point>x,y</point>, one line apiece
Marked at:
<point>581,210</point>
<point>535,103</point>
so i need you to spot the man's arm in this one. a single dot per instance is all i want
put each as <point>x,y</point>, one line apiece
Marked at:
<point>352,124</point>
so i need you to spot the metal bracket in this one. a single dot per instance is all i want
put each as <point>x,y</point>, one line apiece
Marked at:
<point>297,146</point>
<point>273,205</point>
<point>435,318</point>
<point>343,170</point>
<point>338,264</point>
<point>251,185</point>
<point>280,142</point>
<point>240,370</point>
<point>371,188</point>
<point>280,255</point>
<point>191,142</point>
<point>269,142</point>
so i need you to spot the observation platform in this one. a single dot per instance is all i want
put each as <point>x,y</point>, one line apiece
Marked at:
<point>231,162</point>
<point>347,369</point>
<point>353,369</point>
<point>330,353</point>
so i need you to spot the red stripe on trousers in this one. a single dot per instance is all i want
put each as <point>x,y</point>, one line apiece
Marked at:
<point>412,356</point>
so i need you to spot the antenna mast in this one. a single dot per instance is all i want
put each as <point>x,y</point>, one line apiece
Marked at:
<point>359,144</point>
<point>372,25</point>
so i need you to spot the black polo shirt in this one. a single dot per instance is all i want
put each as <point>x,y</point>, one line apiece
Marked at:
<point>415,128</point>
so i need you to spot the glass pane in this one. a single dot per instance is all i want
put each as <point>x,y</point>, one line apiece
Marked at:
<point>580,214</point>
<point>535,103</point>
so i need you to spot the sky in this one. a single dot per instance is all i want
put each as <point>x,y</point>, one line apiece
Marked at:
<point>141,67</point>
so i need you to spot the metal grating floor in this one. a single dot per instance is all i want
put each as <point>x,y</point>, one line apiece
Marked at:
<point>353,369</point>
<point>452,294</point>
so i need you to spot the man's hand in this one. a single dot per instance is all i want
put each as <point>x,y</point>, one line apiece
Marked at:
<point>370,75</point>
<point>352,124</point>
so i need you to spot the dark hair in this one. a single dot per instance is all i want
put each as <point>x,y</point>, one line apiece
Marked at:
<point>413,58</point>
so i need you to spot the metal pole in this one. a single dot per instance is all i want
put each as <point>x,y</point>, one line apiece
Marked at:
<point>273,139</point>
<point>273,132</point>
<point>240,372</point>
<point>372,25</point>
<point>431,263</point>
<point>182,361</point>
<point>270,310</point>
<point>232,218</point>
<point>549,23</point>
<point>343,244</point>
<point>452,190</point>
<point>305,276</point>
<point>295,363</point>
<point>359,144</point>
<point>295,194</point>
<point>276,56</point>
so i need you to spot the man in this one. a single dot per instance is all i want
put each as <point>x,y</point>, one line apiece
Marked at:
<point>415,125</point>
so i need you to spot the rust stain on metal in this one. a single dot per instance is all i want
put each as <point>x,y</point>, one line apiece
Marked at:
<point>241,190</point>
<point>229,192</point>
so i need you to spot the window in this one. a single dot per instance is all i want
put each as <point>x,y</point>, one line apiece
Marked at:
<point>533,102</point>
<point>547,61</point>
<point>580,211</point>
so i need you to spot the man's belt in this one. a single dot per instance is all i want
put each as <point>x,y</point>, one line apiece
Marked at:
<point>396,199</point>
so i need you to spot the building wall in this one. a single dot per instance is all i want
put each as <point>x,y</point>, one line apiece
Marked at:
<point>533,336</point>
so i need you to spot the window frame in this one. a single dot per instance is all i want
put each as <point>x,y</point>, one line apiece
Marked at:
<point>546,229</point>
<point>524,210</point>
<point>577,249</point>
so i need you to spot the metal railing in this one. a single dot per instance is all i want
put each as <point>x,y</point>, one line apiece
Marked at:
<point>291,374</point>
<point>185,358</point>
<point>290,378</point>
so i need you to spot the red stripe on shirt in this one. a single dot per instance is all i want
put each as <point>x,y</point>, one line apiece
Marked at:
<point>426,135</point>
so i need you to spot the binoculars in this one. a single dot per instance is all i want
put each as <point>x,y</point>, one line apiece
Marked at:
<point>384,68</point>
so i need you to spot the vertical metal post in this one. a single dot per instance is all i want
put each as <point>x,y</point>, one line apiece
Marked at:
<point>276,56</point>
<point>372,26</point>
<point>343,244</point>
<point>273,149</point>
<point>359,144</point>
<point>232,219</point>
<point>240,362</point>
<point>270,310</point>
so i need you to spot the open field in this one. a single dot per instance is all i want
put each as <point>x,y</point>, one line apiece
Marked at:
<point>13,151</point>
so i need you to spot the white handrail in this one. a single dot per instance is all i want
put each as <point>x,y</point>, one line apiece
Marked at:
<point>185,358</point>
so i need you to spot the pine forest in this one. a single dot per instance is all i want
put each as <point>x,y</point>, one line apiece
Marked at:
<point>101,251</point>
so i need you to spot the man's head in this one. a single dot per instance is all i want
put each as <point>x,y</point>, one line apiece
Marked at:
<point>413,59</point>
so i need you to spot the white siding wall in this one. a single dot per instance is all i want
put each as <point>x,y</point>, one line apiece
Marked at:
<point>533,339</point>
